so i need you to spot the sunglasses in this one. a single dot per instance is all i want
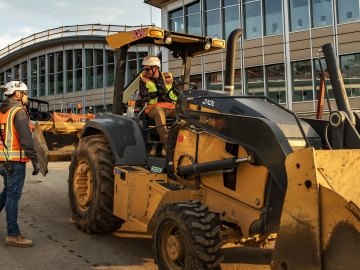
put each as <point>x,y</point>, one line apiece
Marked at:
<point>147,69</point>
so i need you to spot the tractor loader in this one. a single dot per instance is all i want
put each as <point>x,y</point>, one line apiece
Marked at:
<point>237,168</point>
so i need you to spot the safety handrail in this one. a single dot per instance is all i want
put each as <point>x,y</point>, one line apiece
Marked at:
<point>63,31</point>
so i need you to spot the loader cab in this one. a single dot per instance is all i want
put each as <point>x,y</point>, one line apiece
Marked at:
<point>181,45</point>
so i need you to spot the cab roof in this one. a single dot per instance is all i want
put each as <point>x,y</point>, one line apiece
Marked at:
<point>174,41</point>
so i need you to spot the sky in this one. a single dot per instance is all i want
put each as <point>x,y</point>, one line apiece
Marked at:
<point>22,18</point>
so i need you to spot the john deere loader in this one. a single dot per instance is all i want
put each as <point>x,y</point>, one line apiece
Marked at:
<point>237,168</point>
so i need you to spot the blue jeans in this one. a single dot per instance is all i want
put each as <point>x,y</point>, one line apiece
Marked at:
<point>10,196</point>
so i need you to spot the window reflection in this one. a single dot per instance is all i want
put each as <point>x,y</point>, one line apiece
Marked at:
<point>212,18</point>
<point>299,15</point>
<point>59,73</point>
<point>321,13</point>
<point>252,13</point>
<point>348,10</point>
<point>350,67</point>
<point>255,81</point>
<point>176,20</point>
<point>302,81</point>
<point>275,75</point>
<point>273,17</point>
<point>231,15</point>
<point>193,23</point>
<point>318,72</point>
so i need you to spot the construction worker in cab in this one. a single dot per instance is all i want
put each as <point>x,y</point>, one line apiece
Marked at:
<point>16,148</point>
<point>157,95</point>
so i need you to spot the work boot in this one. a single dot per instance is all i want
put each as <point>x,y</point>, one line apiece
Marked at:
<point>18,241</point>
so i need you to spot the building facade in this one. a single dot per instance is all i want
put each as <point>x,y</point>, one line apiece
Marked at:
<point>278,54</point>
<point>69,66</point>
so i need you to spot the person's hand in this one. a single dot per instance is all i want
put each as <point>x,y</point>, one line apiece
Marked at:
<point>36,168</point>
<point>144,78</point>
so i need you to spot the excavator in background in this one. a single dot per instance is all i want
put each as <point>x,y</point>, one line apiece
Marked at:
<point>237,169</point>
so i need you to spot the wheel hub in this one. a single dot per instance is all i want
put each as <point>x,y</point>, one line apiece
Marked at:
<point>174,247</point>
<point>83,185</point>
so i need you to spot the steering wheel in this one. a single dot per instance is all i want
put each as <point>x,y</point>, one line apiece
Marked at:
<point>176,88</point>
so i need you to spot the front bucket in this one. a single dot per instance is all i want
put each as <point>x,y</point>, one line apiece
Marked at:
<point>320,221</point>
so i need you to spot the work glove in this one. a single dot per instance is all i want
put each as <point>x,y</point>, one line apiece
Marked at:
<point>36,167</point>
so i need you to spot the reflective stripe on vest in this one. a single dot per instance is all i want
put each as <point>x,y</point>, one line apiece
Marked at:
<point>12,151</point>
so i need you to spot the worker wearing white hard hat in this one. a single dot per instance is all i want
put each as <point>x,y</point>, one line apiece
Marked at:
<point>156,92</point>
<point>16,148</point>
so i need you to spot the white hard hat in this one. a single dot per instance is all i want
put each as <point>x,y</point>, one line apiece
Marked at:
<point>13,86</point>
<point>151,61</point>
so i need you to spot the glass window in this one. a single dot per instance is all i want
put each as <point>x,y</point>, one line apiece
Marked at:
<point>78,70</point>
<point>214,81</point>
<point>78,80</point>
<point>321,13</point>
<point>89,78</point>
<point>275,76</point>
<point>16,72</point>
<point>317,73</point>
<point>8,75</point>
<point>99,68</point>
<point>212,4</point>
<point>110,68</point>
<point>231,17</point>
<point>89,59</point>
<point>51,63</point>
<point>78,58</point>
<point>69,81</point>
<point>2,82</point>
<point>193,25</point>
<point>273,17</point>
<point>299,15</point>
<point>176,20</point>
<point>252,13</point>
<point>132,66</point>
<point>69,60</point>
<point>42,64</point>
<point>212,18</point>
<point>51,76</point>
<point>24,71</point>
<point>59,73</point>
<point>255,81</point>
<point>51,84</point>
<point>33,74</point>
<point>348,10</point>
<point>197,80</point>
<point>237,81</point>
<point>227,3</point>
<point>350,67</point>
<point>42,86</point>
<point>302,81</point>
<point>69,72</point>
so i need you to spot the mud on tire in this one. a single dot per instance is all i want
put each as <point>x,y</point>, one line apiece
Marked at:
<point>187,237</point>
<point>91,186</point>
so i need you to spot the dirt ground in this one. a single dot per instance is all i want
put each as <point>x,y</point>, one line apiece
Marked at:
<point>45,217</point>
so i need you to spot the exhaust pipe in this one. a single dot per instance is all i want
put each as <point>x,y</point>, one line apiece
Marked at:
<point>337,82</point>
<point>230,60</point>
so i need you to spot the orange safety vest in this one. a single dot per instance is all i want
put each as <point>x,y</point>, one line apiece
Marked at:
<point>12,151</point>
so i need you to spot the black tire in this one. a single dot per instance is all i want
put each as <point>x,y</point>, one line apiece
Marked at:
<point>187,237</point>
<point>91,186</point>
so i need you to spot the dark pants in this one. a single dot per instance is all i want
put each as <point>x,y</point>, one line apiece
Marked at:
<point>10,196</point>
